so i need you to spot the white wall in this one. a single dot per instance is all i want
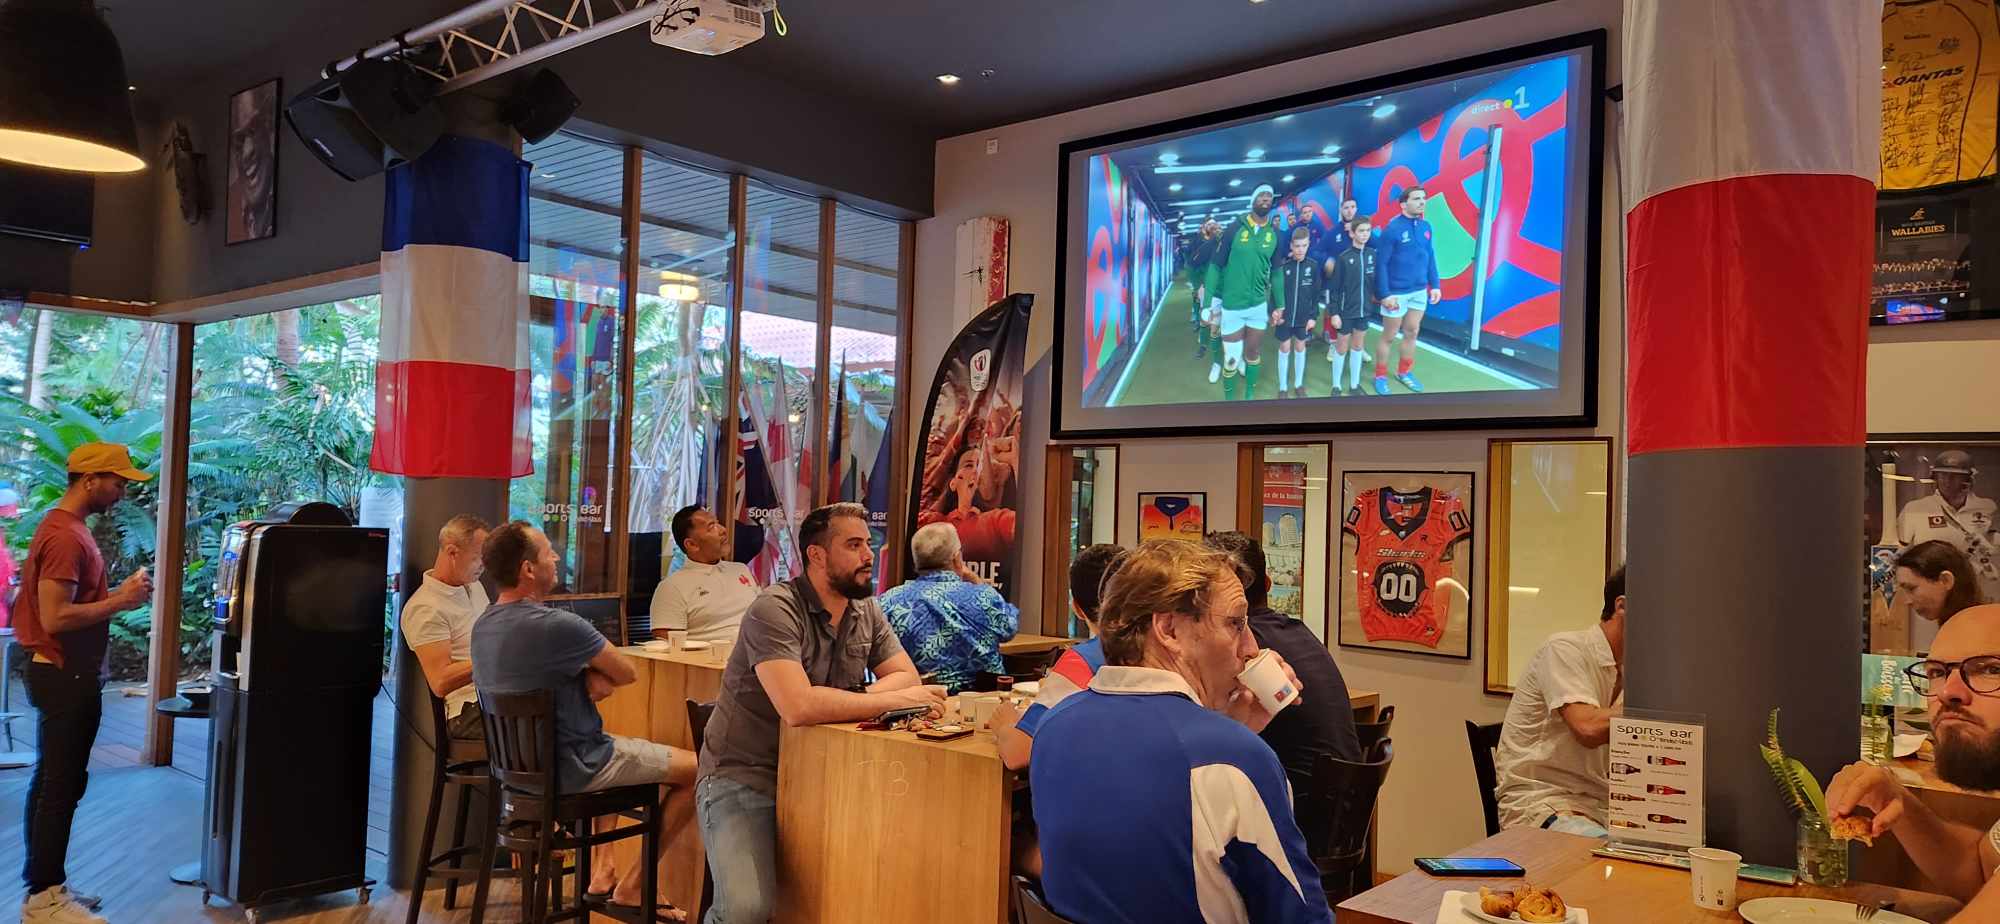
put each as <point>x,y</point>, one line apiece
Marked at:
<point>1430,805</point>
<point>1935,378</point>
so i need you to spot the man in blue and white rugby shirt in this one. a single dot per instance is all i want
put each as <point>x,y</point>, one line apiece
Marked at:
<point>1155,798</point>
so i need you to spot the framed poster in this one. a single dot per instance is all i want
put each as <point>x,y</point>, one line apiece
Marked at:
<point>1406,553</point>
<point>1924,254</point>
<point>1284,499</point>
<point>252,206</point>
<point>1921,488</point>
<point>1173,515</point>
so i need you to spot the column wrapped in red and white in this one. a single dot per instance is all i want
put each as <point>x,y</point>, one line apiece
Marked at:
<point>452,380</point>
<point>1751,132</point>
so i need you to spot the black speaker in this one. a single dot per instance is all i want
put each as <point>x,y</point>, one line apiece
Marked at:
<point>373,111</point>
<point>332,131</point>
<point>396,103</point>
<point>540,106</point>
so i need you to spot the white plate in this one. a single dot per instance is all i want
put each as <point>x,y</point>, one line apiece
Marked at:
<point>694,646</point>
<point>1810,911</point>
<point>658,644</point>
<point>1471,901</point>
<point>1905,745</point>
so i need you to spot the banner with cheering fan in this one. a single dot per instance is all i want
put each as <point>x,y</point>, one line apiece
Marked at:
<point>972,441</point>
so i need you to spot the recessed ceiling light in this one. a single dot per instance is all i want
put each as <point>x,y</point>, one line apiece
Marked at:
<point>132,89</point>
<point>1385,110</point>
<point>1169,157</point>
<point>548,176</point>
<point>1235,183</point>
<point>1329,149</point>
<point>1173,187</point>
<point>1254,154</point>
<point>1287,179</point>
<point>1282,118</point>
<point>1336,160</point>
<point>947,79</point>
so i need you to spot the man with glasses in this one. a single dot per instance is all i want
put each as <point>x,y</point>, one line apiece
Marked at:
<point>1961,681</point>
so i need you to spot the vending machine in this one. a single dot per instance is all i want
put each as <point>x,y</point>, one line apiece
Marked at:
<point>300,597</point>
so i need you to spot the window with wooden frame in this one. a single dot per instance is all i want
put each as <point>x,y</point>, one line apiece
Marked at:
<point>1081,511</point>
<point>1549,520</point>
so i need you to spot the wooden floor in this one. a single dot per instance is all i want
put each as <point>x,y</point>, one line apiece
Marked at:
<point>136,823</point>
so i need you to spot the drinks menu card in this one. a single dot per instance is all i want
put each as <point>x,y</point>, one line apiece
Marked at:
<point>1656,781</point>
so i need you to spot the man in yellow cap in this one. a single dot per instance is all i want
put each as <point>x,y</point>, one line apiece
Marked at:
<point>63,616</point>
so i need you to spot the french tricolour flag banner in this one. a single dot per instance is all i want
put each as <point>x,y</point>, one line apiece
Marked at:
<point>452,380</point>
<point>1754,144</point>
<point>1752,133</point>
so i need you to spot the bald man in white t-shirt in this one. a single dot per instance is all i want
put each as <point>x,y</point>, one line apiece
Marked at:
<point>437,623</point>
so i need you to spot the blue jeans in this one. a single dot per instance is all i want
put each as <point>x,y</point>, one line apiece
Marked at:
<point>739,830</point>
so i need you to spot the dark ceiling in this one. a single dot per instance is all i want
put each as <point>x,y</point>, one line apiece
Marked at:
<point>1047,56</point>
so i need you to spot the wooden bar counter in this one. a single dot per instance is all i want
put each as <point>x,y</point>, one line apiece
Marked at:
<point>655,708</point>
<point>883,826</point>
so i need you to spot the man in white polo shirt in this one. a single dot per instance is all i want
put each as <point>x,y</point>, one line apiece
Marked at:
<point>707,596</point>
<point>437,623</point>
<point>1551,758</point>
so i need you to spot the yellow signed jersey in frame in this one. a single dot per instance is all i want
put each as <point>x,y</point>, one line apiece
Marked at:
<point>1940,91</point>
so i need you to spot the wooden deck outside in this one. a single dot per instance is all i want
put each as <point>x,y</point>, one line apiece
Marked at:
<point>136,823</point>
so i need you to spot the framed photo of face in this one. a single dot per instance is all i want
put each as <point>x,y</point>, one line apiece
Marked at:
<point>252,192</point>
<point>1406,554</point>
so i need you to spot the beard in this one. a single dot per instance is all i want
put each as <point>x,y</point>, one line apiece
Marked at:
<point>1260,210</point>
<point>854,585</point>
<point>1968,760</point>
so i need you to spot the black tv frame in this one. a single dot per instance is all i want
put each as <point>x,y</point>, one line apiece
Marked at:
<point>1597,41</point>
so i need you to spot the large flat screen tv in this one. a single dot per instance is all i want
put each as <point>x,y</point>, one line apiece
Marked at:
<point>1481,181</point>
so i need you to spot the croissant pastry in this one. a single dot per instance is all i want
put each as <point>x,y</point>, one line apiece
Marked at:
<point>1855,828</point>
<point>1497,904</point>
<point>1539,906</point>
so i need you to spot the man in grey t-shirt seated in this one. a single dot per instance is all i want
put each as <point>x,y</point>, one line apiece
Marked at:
<point>802,657</point>
<point>521,645</point>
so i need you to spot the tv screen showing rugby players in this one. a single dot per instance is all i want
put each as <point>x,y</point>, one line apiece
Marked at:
<point>1411,251</point>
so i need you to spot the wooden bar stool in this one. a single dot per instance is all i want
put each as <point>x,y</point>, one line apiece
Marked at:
<point>537,820</point>
<point>462,764</point>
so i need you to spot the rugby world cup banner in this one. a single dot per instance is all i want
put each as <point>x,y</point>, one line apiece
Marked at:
<point>969,469</point>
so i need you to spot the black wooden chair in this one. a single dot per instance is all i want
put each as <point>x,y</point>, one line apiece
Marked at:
<point>1483,739</point>
<point>1029,907</point>
<point>1336,814</point>
<point>537,819</point>
<point>1371,732</point>
<point>461,764</point>
<point>698,715</point>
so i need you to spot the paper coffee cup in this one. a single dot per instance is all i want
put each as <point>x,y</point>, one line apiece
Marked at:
<point>1266,678</point>
<point>677,639</point>
<point>1714,874</point>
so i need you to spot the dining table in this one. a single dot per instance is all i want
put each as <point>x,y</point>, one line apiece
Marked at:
<point>1612,891</point>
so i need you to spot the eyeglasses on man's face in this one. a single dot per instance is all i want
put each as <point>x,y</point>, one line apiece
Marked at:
<point>1981,673</point>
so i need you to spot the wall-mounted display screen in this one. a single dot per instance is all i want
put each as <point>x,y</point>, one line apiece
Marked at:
<point>1418,250</point>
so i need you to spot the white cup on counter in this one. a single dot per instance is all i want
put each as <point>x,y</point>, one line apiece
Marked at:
<point>1714,874</point>
<point>677,639</point>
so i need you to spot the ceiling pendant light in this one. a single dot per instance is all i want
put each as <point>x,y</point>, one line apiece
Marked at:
<point>64,102</point>
<point>679,287</point>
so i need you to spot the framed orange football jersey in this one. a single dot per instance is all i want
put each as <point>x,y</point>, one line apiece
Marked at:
<point>1404,543</point>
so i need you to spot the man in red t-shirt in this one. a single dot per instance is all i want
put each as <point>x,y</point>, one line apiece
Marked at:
<point>63,616</point>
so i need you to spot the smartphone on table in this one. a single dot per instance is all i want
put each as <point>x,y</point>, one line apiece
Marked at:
<point>1475,867</point>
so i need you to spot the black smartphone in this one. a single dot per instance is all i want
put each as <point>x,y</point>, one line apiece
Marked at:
<point>1477,867</point>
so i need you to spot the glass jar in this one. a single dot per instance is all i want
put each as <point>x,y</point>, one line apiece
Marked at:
<point>1822,858</point>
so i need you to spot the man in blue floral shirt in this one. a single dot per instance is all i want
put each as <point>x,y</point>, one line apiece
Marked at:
<point>949,619</point>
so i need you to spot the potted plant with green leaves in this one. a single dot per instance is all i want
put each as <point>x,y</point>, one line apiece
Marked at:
<point>1822,859</point>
